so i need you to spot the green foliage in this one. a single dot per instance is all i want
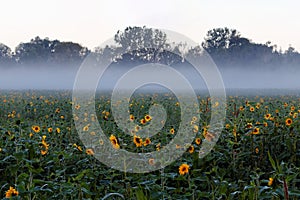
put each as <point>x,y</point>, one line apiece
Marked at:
<point>239,167</point>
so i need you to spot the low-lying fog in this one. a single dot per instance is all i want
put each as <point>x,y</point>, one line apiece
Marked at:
<point>59,78</point>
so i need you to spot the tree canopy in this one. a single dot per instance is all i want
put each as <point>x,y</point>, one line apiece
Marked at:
<point>226,46</point>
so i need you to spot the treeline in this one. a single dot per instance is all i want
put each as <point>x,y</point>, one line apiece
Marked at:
<point>226,46</point>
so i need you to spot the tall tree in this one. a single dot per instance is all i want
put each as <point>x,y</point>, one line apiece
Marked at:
<point>43,52</point>
<point>142,43</point>
<point>68,53</point>
<point>36,52</point>
<point>5,55</point>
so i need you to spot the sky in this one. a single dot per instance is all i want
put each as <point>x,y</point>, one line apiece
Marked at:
<point>92,22</point>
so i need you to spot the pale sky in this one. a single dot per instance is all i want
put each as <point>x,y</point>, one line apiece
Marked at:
<point>92,22</point>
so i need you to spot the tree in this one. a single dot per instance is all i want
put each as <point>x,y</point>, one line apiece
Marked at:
<point>36,52</point>
<point>220,39</point>
<point>142,43</point>
<point>5,55</point>
<point>43,52</point>
<point>68,53</point>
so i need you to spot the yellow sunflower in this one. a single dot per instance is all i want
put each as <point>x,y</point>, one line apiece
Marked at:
<point>11,192</point>
<point>270,181</point>
<point>50,130</point>
<point>147,118</point>
<point>143,121</point>
<point>184,169</point>
<point>131,117</point>
<point>89,152</point>
<point>267,116</point>
<point>172,131</point>
<point>151,161</point>
<point>114,142</point>
<point>147,141</point>
<point>288,121</point>
<point>137,141</point>
<point>36,129</point>
<point>191,149</point>
<point>255,131</point>
<point>198,141</point>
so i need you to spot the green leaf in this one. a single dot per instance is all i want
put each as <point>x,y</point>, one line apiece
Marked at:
<point>272,161</point>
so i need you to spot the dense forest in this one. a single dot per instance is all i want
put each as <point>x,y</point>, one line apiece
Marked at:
<point>226,46</point>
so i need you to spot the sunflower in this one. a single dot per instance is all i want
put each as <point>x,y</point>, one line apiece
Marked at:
<point>251,109</point>
<point>143,121</point>
<point>249,125</point>
<point>45,146</point>
<point>256,150</point>
<point>151,161</point>
<point>194,119</point>
<point>288,121</point>
<point>57,130</point>
<point>267,116</point>
<point>89,152</point>
<point>227,126</point>
<point>131,117</point>
<point>137,128</point>
<point>11,192</point>
<point>241,108</point>
<point>147,142</point>
<point>209,136</point>
<point>265,124</point>
<point>79,148</point>
<point>147,118</point>
<point>204,131</point>
<point>44,152</point>
<point>191,149</point>
<point>77,106</point>
<point>36,129</point>
<point>257,106</point>
<point>270,181</point>
<point>196,129</point>
<point>114,142</point>
<point>172,131</point>
<point>184,169</point>
<point>50,130</point>
<point>295,115</point>
<point>198,141</point>
<point>86,128</point>
<point>255,131</point>
<point>57,110</point>
<point>292,108</point>
<point>137,141</point>
<point>158,147</point>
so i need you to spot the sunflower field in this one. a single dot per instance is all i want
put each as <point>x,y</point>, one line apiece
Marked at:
<point>257,155</point>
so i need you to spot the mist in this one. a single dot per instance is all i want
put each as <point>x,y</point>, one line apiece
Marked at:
<point>62,78</point>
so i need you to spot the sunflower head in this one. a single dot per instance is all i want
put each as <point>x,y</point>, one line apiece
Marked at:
<point>191,149</point>
<point>147,141</point>
<point>288,121</point>
<point>198,141</point>
<point>255,131</point>
<point>172,131</point>
<point>36,129</point>
<point>11,192</point>
<point>90,152</point>
<point>137,141</point>
<point>114,142</point>
<point>147,118</point>
<point>184,169</point>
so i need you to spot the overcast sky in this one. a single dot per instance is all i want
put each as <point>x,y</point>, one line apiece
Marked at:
<point>93,21</point>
